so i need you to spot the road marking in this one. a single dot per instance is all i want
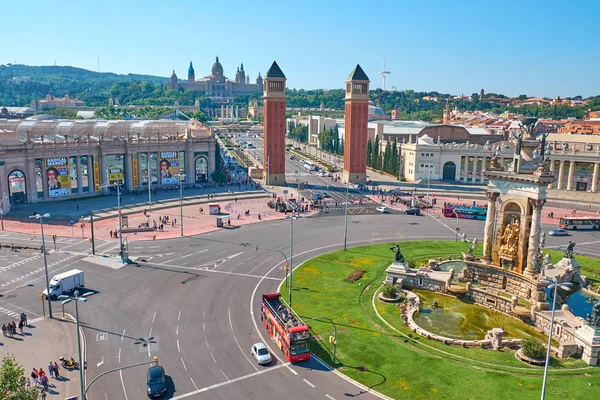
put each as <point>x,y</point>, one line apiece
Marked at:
<point>101,362</point>
<point>224,375</point>
<point>264,261</point>
<point>150,334</point>
<point>330,397</point>
<point>229,382</point>
<point>153,317</point>
<point>119,356</point>
<point>205,269</point>
<point>123,335</point>
<point>177,330</point>
<point>123,384</point>
<point>193,383</point>
<point>154,247</point>
<point>206,341</point>
<point>213,357</point>
<point>237,342</point>
<point>308,383</point>
<point>188,255</point>
<point>178,349</point>
<point>203,314</point>
<point>203,327</point>
<point>179,315</point>
<point>184,367</point>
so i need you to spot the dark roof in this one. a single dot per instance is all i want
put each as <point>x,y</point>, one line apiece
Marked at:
<point>358,74</point>
<point>274,71</point>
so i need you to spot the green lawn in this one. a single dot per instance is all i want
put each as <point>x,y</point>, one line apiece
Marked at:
<point>399,363</point>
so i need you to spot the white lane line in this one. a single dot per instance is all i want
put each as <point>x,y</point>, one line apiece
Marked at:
<point>123,335</point>
<point>184,367</point>
<point>178,349</point>
<point>179,315</point>
<point>237,342</point>
<point>308,383</point>
<point>154,247</point>
<point>177,330</point>
<point>188,255</point>
<point>224,375</point>
<point>101,362</point>
<point>193,383</point>
<point>213,357</point>
<point>153,317</point>
<point>264,261</point>
<point>203,314</point>
<point>330,397</point>
<point>206,341</point>
<point>119,356</point>
<point>203,327</point>
<point>234,380</point>
<point>150,334</point>
<point>123,384</point>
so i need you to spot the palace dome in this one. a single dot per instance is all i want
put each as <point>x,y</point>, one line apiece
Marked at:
<point>217,68</point>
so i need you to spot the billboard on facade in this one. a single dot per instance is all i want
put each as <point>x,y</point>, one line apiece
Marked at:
<point>169,167</point>
<point>96,173</point>
<point>57,175</point>
<point>115,175</point>
<point>134,169</point>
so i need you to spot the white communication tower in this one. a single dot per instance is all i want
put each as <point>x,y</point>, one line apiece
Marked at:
<point>384,73</point>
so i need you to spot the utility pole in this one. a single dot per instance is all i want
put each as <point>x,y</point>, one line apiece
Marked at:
<point>92,228</point>
<point>346,216</point>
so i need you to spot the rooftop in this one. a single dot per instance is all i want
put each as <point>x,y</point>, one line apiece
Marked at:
<point>274,71</point>
<point>358,74</point>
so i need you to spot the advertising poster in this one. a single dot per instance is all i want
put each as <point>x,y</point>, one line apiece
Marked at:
<point>134,169</point>
<point>169,167</point>
<point>57,174</point>
<point>96,174</point>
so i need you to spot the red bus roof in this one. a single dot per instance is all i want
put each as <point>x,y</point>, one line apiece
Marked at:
<point>271,296</point>
<point>301,328</point>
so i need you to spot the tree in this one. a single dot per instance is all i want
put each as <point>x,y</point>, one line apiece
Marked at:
<point>369,153</point>
<point>12,385</point>
<point>533,348</point>
<point>219,176</point>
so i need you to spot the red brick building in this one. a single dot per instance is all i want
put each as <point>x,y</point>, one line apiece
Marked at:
<point>356,126</point>
<point>275,124</point>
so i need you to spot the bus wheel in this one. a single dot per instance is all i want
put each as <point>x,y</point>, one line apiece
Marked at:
<point>574,228</point>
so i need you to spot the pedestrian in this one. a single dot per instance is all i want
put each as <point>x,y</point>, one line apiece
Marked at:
<point>44,380</point>
<point>111,233</point>
<point>173,224</point>
<point>77,207</point>
<point>25,319</point>
<point>34,376</point>
<point>56,374</point>
<point>175,221</point>
<point>28,384</point>
<point>4,329</point>
<point>21,326</point>
<point>43,394</point>
<point>41,373</point>
<point>51,369</point>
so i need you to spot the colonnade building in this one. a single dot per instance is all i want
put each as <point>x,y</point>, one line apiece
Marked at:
<point>44,161</point>
<point>574,160</point>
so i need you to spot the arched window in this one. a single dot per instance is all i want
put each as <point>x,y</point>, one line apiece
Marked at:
<point>17,187</point>
<point>201,167</point>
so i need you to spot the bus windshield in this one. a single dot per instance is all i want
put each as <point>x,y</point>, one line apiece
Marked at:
<point>299,346</point>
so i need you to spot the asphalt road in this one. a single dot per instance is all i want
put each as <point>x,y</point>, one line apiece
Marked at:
<point>194,302</point>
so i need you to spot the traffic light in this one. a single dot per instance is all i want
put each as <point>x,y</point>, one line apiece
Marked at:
<point>54,238</point>
<point>256,247</point>
<point>91,240</point>
<point>458,228</point>
<point>331,340</point>
<point>286,266</point>
<point>154,237</point>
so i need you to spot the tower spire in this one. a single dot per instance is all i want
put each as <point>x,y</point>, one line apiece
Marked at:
<point>384,73</point>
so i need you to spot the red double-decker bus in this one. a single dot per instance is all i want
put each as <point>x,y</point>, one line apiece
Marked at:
<point>285,327</point>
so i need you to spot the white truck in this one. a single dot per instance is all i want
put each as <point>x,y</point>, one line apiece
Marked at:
<point>65,283</point>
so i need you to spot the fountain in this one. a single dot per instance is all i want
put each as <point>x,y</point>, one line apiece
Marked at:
<point>509,276</point>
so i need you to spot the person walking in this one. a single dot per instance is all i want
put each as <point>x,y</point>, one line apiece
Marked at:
<point>21,326</point>
<point>34,376</point>
<point>28,384</point>
<point>55,368</point>
<point>4,329</point>
<point>51,369</point>
<point>43,394</point>
<point>44,380</point>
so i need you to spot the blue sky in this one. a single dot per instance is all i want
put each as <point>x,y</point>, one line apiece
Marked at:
<point>538,48</point>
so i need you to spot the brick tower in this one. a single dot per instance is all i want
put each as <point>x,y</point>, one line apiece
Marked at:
<point>274,123</point>
<point>356,129</point>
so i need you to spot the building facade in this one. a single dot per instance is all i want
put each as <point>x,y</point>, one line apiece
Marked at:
<point>356,126</point>
<point>44,161</point>
<point>274,126</point>
<point>51,102</point>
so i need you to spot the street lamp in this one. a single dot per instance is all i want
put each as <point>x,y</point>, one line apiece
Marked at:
<point>346,216</point>
<point>118,186</point>
<point>291,268</point>
<point>41,217</point>
<point>429,166</point>
<point>456,230</point>
<point>2,209</point>
<point>66,300</point>
<point>181,176</point>
<point>553,284</point>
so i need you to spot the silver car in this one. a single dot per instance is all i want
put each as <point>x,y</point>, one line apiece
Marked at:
<point>261,354</point>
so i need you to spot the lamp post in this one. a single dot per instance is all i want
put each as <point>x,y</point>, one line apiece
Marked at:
<point>291,268</point>
<point>553,284</point>
<point>181,176</point>
<point>41,217</point>
<point>2,210</point>
<point>120,220</point>
<point>456,230</point>
<point>334,342</point>
<point>92,228</point>
<point>66,300</point>
<point>346,216</point>
<point>429,166</point>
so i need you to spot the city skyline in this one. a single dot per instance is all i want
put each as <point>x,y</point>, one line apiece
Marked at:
<point>456,48</point>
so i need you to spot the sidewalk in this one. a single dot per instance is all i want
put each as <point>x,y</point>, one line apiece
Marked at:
<point>46,340</point>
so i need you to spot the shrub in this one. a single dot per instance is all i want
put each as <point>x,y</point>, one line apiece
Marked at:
<point>533,348</point>
<point>355,275</point>
<point>389,291</point>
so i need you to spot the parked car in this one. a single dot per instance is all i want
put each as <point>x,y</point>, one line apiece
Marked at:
<point>558,232</point>
<point>326,195</point>
<point>412,211</point>
<point>156,381</point>
<point>382,209</point>
<point>261,354</point>
<point>317,196</point>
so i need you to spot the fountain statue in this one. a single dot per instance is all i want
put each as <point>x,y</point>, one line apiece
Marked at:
<point>399,257</point>
<point>570,249</point>
<point>594,318</point>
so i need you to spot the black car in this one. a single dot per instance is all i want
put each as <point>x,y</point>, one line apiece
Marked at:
<point>413,211</point>
<point>156,381</point>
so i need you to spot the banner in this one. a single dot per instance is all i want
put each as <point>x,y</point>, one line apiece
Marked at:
<point>96,173</point>
<point>57,174</point>
<point>169,167</point>
<point>115,175</point>
<point>134,169</point>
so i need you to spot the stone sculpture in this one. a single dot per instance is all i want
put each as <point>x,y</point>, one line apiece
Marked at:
<point>594,319</point>
<point>510,238</point>
<point>570,249</point>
